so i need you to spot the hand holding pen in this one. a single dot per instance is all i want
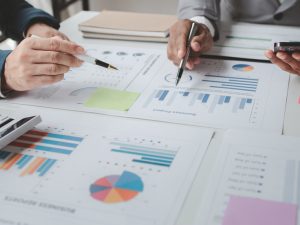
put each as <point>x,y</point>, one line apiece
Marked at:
<point>43,61</point>
<point>201,42</point>
<point>183,62</point>
<point>36,62</point>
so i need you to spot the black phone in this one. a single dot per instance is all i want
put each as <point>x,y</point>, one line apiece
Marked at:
<point>288,47</point>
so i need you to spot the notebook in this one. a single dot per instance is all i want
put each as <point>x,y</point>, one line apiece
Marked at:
<point>127,25</point>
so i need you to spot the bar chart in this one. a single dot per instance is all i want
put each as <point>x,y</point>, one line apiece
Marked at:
<point>36,152</point>
<point>194,100</point>
<point>26,164</point>
<point>48,142</point>
<point>145,154</point>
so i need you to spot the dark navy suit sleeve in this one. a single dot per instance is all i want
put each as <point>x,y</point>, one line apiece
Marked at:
<point>16,16</point>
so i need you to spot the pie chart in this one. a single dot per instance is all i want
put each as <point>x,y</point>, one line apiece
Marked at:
<point>243,67</point>
<point>117,188</point>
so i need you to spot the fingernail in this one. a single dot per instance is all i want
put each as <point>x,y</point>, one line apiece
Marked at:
<point>80,50</point>
<point>196,46</point>
<point>180,54</point>
<point>280,55</point>
<point>79,63</point>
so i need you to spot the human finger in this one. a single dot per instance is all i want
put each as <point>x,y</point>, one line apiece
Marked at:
<point>56,58</point>
<point>49,69</point>
<point>282,65</point>
<point>55,44</point>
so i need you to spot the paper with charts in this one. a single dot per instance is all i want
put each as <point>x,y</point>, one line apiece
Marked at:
<point>96,89</point>
<point>99,170</point>
<point>253,166</point>
<point>224,94</point>
<point>220,94</point>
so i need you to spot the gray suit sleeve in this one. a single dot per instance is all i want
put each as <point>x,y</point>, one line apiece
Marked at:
<point>190,8</point>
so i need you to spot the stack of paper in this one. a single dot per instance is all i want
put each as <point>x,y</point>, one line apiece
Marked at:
<point>128,26</point>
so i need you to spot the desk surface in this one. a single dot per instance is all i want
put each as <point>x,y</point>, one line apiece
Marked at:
<point>291,124</point>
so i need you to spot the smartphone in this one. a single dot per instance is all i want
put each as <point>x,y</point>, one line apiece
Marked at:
<point>288,47</point>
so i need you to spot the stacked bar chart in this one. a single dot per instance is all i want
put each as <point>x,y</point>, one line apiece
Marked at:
<point>48,142</point>
<point>36,152</point>
<point>232,83</point>
<point>27,164</point>
<point>145,154</point>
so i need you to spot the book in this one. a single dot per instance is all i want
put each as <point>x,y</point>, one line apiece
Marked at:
<point>124,37</point>
<point>127,25</point>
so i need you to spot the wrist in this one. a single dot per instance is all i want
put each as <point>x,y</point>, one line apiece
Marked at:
<point>4,88</point>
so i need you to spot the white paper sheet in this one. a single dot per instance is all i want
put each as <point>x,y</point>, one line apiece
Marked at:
<point>219,93</point>
<point>255,165</point>
<point>84,149</point>
<point>250,41</point>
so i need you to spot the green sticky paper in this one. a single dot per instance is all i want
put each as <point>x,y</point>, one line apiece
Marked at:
<point>105,98</point>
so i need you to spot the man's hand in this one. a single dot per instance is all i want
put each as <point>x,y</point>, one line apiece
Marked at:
<point>286,62</point>
<point>40,61</point>
<point>43,30</point>
<point>179,32</point>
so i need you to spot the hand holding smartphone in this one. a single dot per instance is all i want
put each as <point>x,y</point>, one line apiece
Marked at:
<point>288,47</point>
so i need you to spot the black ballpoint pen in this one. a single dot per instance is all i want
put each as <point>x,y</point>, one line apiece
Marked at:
<point>183,62</point>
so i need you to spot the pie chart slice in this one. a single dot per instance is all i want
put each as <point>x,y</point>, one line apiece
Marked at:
<point>117,188</point>
<point>243,67</point>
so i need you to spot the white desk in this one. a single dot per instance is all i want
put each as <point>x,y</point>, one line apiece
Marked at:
<point>291,126</point>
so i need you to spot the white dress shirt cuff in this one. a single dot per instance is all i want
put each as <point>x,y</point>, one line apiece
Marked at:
<point>206,22</point>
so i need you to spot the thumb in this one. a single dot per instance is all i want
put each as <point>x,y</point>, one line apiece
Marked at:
<point>202,42</point>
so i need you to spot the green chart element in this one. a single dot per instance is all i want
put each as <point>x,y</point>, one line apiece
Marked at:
<point>105,98</point>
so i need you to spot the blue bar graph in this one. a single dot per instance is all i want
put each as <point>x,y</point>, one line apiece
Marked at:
<point>243,103</point>
<point>205,98</point>
<point>227,99</point>
<point>145,154</point>
<point>65,137</point>
<point>186,93</point>
<point>163,95</point>
<point>44,168</point>
<point>24,161</point>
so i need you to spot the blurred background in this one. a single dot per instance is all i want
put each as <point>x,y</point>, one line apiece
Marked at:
<point>67,8</point>
<point>63,9</point>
